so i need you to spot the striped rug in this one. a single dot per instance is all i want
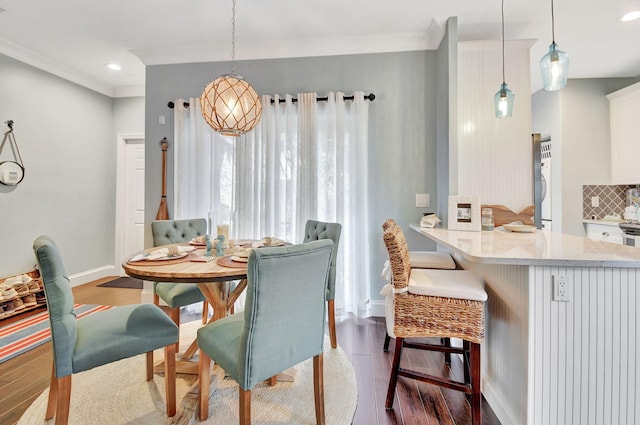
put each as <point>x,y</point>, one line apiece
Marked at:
<point>30,332</point>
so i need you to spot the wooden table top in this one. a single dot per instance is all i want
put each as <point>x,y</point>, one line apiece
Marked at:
<point>183,272</point>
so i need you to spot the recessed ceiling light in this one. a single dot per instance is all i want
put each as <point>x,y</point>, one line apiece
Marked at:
<point>114,66</point>
<point>631,16</point>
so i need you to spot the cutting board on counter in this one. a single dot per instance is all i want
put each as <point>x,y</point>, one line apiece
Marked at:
<point>503,215</point>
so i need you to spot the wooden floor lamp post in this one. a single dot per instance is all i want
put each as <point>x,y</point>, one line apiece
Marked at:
<point>163,212</point>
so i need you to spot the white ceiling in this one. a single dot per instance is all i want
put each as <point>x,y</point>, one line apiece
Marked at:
<point>76,38</point>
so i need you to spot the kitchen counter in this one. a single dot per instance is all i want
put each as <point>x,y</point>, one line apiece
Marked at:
<point>550,359</point>
<point>603,222</point>
<point>538,248</point>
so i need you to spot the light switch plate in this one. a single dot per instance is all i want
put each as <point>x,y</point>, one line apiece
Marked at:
<point>595,201</point>
<point>422,200</point>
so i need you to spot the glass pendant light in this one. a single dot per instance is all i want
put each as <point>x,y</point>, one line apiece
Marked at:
<point>504,98</point>
<point>229,104</point>
<point>555,64</point>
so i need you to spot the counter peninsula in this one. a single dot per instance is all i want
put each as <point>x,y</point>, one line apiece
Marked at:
<point>549,358</point>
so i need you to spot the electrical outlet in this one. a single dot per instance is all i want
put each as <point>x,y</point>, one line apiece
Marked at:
<point>595,201</point>
<point>422,200</point>
<point>561,288</point>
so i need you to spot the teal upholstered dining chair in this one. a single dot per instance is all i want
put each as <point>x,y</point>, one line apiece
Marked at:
<point>100,338</point>
<point>177,295</point>
<point>281,326</point>
<point>318,230</point>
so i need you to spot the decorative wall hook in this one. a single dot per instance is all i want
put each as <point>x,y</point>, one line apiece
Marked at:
<point>11,172</point>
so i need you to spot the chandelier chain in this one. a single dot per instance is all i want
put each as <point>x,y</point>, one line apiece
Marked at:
<point>233,37</point>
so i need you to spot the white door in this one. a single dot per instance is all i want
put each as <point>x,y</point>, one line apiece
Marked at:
<point>129,197</point>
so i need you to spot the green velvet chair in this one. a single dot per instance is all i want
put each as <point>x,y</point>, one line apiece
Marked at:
<point>318,230</point>
<point>100,338</point>
<point>281,326</point>
<point>177,295</point>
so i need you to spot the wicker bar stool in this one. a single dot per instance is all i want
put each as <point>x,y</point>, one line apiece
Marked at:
<point>418,260</point>
<point>435,303</point>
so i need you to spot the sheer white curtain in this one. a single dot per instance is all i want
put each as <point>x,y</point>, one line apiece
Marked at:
<point>305,160</point>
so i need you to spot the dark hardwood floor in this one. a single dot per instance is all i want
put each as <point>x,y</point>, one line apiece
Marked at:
<point>23,378</point>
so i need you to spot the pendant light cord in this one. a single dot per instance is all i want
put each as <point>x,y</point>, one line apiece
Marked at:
<point>233,37</point>
<point>553,24</point>
<point>503,79</point>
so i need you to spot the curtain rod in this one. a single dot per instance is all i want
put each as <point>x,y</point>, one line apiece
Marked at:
<point>369,97</point>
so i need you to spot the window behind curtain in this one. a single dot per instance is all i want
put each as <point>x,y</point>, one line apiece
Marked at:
<point>305,160</point>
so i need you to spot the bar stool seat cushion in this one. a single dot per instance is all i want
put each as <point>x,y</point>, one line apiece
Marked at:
<point>431,260</point>
<point>461,284</point>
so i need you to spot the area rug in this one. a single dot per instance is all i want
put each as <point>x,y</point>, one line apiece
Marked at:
<point>123,282</point>
<point>117,393</point>
<point>32,331</point>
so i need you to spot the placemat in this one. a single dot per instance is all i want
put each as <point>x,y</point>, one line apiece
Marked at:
<point>226,261</point>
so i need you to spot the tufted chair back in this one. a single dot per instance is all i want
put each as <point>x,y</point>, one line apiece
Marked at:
<point>166,232</point>
<point>62,315</point>
<point>318,230</point>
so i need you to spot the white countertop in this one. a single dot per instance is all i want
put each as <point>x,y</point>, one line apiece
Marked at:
<point>539,248</point>
<point>603,222</point>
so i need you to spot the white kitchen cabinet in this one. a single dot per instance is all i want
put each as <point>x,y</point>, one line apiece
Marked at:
<point>624,110</point>
<point>603,231</point>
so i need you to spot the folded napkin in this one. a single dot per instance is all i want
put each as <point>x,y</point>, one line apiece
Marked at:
<point>429,221</point>
<point>268,241</point>
<point>165,252</point>
<point>200,239</point>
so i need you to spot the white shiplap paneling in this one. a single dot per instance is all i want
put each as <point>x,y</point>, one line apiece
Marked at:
<point>494,156</point>
<point>505,350</point>
<point>547,362</point>
<point>583,365</point>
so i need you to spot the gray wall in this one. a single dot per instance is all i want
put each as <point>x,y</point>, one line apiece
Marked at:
<point>128,115</point>
<point>447,121</point>
<point>402,127</point>
<point>578,119</point>
<point>65,136</point>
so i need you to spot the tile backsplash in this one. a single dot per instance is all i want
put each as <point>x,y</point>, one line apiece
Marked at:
<point>613,200</point>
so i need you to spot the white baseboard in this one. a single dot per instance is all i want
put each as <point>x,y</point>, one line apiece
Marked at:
<point>377,308</point>
<point>504,414</point>
<point>94,274</point>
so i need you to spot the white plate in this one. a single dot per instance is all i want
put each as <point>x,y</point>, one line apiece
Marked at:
<point>240,259</point>
<point>520,228</point>
<point>169,257</point>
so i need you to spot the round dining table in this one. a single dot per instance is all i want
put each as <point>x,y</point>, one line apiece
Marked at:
<point>214,278</point>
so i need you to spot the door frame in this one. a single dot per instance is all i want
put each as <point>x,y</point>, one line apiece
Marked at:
<point>121,149</point>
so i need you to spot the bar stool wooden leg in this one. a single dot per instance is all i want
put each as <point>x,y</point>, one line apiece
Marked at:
<point>447,356</point>
<point>387,339</point>
<point>465,360</point>
<point>393,380</point>
<point>476,396</point>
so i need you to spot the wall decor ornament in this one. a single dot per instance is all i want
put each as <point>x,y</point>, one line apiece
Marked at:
<point>11,172</point>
